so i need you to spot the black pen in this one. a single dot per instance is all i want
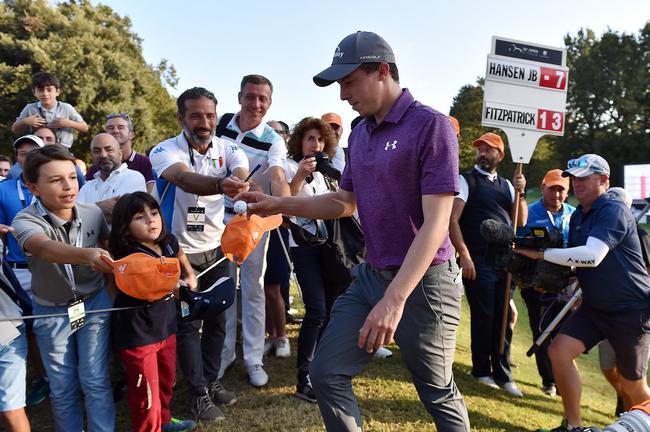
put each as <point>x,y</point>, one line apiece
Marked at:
<point>258,166</point>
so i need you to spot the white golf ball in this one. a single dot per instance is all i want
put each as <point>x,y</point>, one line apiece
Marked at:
<point>240,207</point>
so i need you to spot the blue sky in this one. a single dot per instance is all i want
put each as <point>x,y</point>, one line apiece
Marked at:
<point>439,46</point>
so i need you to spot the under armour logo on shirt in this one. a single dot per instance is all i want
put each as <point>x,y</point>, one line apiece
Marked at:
<point>391,145</point>
<point>92,232</point>
<point>255,235</point>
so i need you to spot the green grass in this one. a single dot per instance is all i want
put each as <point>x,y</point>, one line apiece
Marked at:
<point>387,397</point>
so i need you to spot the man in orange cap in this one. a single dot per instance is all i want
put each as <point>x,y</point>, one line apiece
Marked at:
<point>552,212</point>
<point>335,122</point>
<point>486,195</point>
<point>454,124</point>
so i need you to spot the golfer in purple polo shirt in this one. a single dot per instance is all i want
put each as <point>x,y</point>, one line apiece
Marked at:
<point>402,176</point>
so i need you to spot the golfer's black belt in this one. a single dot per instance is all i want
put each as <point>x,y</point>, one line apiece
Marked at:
<point>387,274</point>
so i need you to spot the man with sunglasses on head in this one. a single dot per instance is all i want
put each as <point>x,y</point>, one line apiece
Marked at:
<point>605,249</point>
<point>120,126</point>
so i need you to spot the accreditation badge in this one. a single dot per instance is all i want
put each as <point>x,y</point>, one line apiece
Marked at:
<point>76,313</point>
<point>195,219</point>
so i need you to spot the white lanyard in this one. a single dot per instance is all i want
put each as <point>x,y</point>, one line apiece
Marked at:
<point>78,243</point>
<point>193,165</point>
<point>21,195</point>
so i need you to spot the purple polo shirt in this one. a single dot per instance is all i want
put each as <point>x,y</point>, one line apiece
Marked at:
<point>136,162</point>
<point>412,152</point>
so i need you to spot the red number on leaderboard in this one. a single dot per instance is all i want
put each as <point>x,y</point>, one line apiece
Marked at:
<point>552,78</point>
<point>550,120</point>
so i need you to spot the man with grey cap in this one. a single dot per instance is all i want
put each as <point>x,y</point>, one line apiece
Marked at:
<point>402,173</point>
<point>605,249</point>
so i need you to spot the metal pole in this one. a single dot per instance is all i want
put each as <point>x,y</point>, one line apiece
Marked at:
<point>547,331</point>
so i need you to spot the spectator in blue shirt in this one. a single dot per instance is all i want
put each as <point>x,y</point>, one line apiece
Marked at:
<point>550,211</point>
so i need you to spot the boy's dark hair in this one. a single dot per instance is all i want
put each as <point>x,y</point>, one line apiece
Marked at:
<point>44,79</point>
<point>193,93</point>
<point>125,208</point>
<point>4,158</point>
<point>40,156</point>
<point>255,79</point>
<point>373,67</point>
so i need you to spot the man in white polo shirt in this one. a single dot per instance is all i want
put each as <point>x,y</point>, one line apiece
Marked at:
<point>194,172</point>
<point>264,147</point>
<point>113,179</point>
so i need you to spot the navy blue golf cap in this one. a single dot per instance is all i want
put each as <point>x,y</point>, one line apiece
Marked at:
<point>353,51</point>
<point>209,303</point>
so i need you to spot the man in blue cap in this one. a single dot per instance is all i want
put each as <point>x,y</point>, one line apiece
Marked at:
<point>401,175</point>
<point>605,248</point>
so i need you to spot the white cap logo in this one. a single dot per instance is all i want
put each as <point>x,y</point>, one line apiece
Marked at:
<point>338,53</point>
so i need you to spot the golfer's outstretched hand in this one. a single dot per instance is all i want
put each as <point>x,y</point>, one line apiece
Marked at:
<point>380,324</point>
<point>260,203</point>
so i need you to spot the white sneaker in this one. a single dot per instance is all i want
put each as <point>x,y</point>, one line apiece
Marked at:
<point>383,353</point>
<point>257,376</point>
<point>269,344</point>
<point>511,388</point>
<point>488,381</point>
<point>282,347</point>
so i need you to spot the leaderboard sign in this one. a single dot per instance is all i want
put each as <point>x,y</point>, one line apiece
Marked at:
<point>525,87</point>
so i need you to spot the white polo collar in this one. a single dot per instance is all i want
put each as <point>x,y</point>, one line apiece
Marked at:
<point>117,171</point>
<point>258,130</point>
<point>489,175</point>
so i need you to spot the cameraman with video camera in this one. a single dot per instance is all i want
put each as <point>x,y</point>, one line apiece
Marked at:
<point>605,248</point>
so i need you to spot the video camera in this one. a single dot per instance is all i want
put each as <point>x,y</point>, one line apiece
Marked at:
<point>527,273</point>
<point>324,165</point>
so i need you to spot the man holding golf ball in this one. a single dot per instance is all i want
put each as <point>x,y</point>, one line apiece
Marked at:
<point>402,175</point>
<point>194,167</point>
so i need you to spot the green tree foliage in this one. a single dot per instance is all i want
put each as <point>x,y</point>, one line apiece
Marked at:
<point>608,107</point>
<point>608,103</point>
<point>98,59</point>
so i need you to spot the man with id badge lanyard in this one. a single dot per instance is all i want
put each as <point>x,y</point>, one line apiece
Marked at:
<point>194,173</point>
<point>59,238</point>
<point>550,211</point>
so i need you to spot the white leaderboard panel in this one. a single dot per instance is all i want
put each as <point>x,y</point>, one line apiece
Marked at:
<point>527,74</point>
<point>523,117</point>
<point>525,87</point>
